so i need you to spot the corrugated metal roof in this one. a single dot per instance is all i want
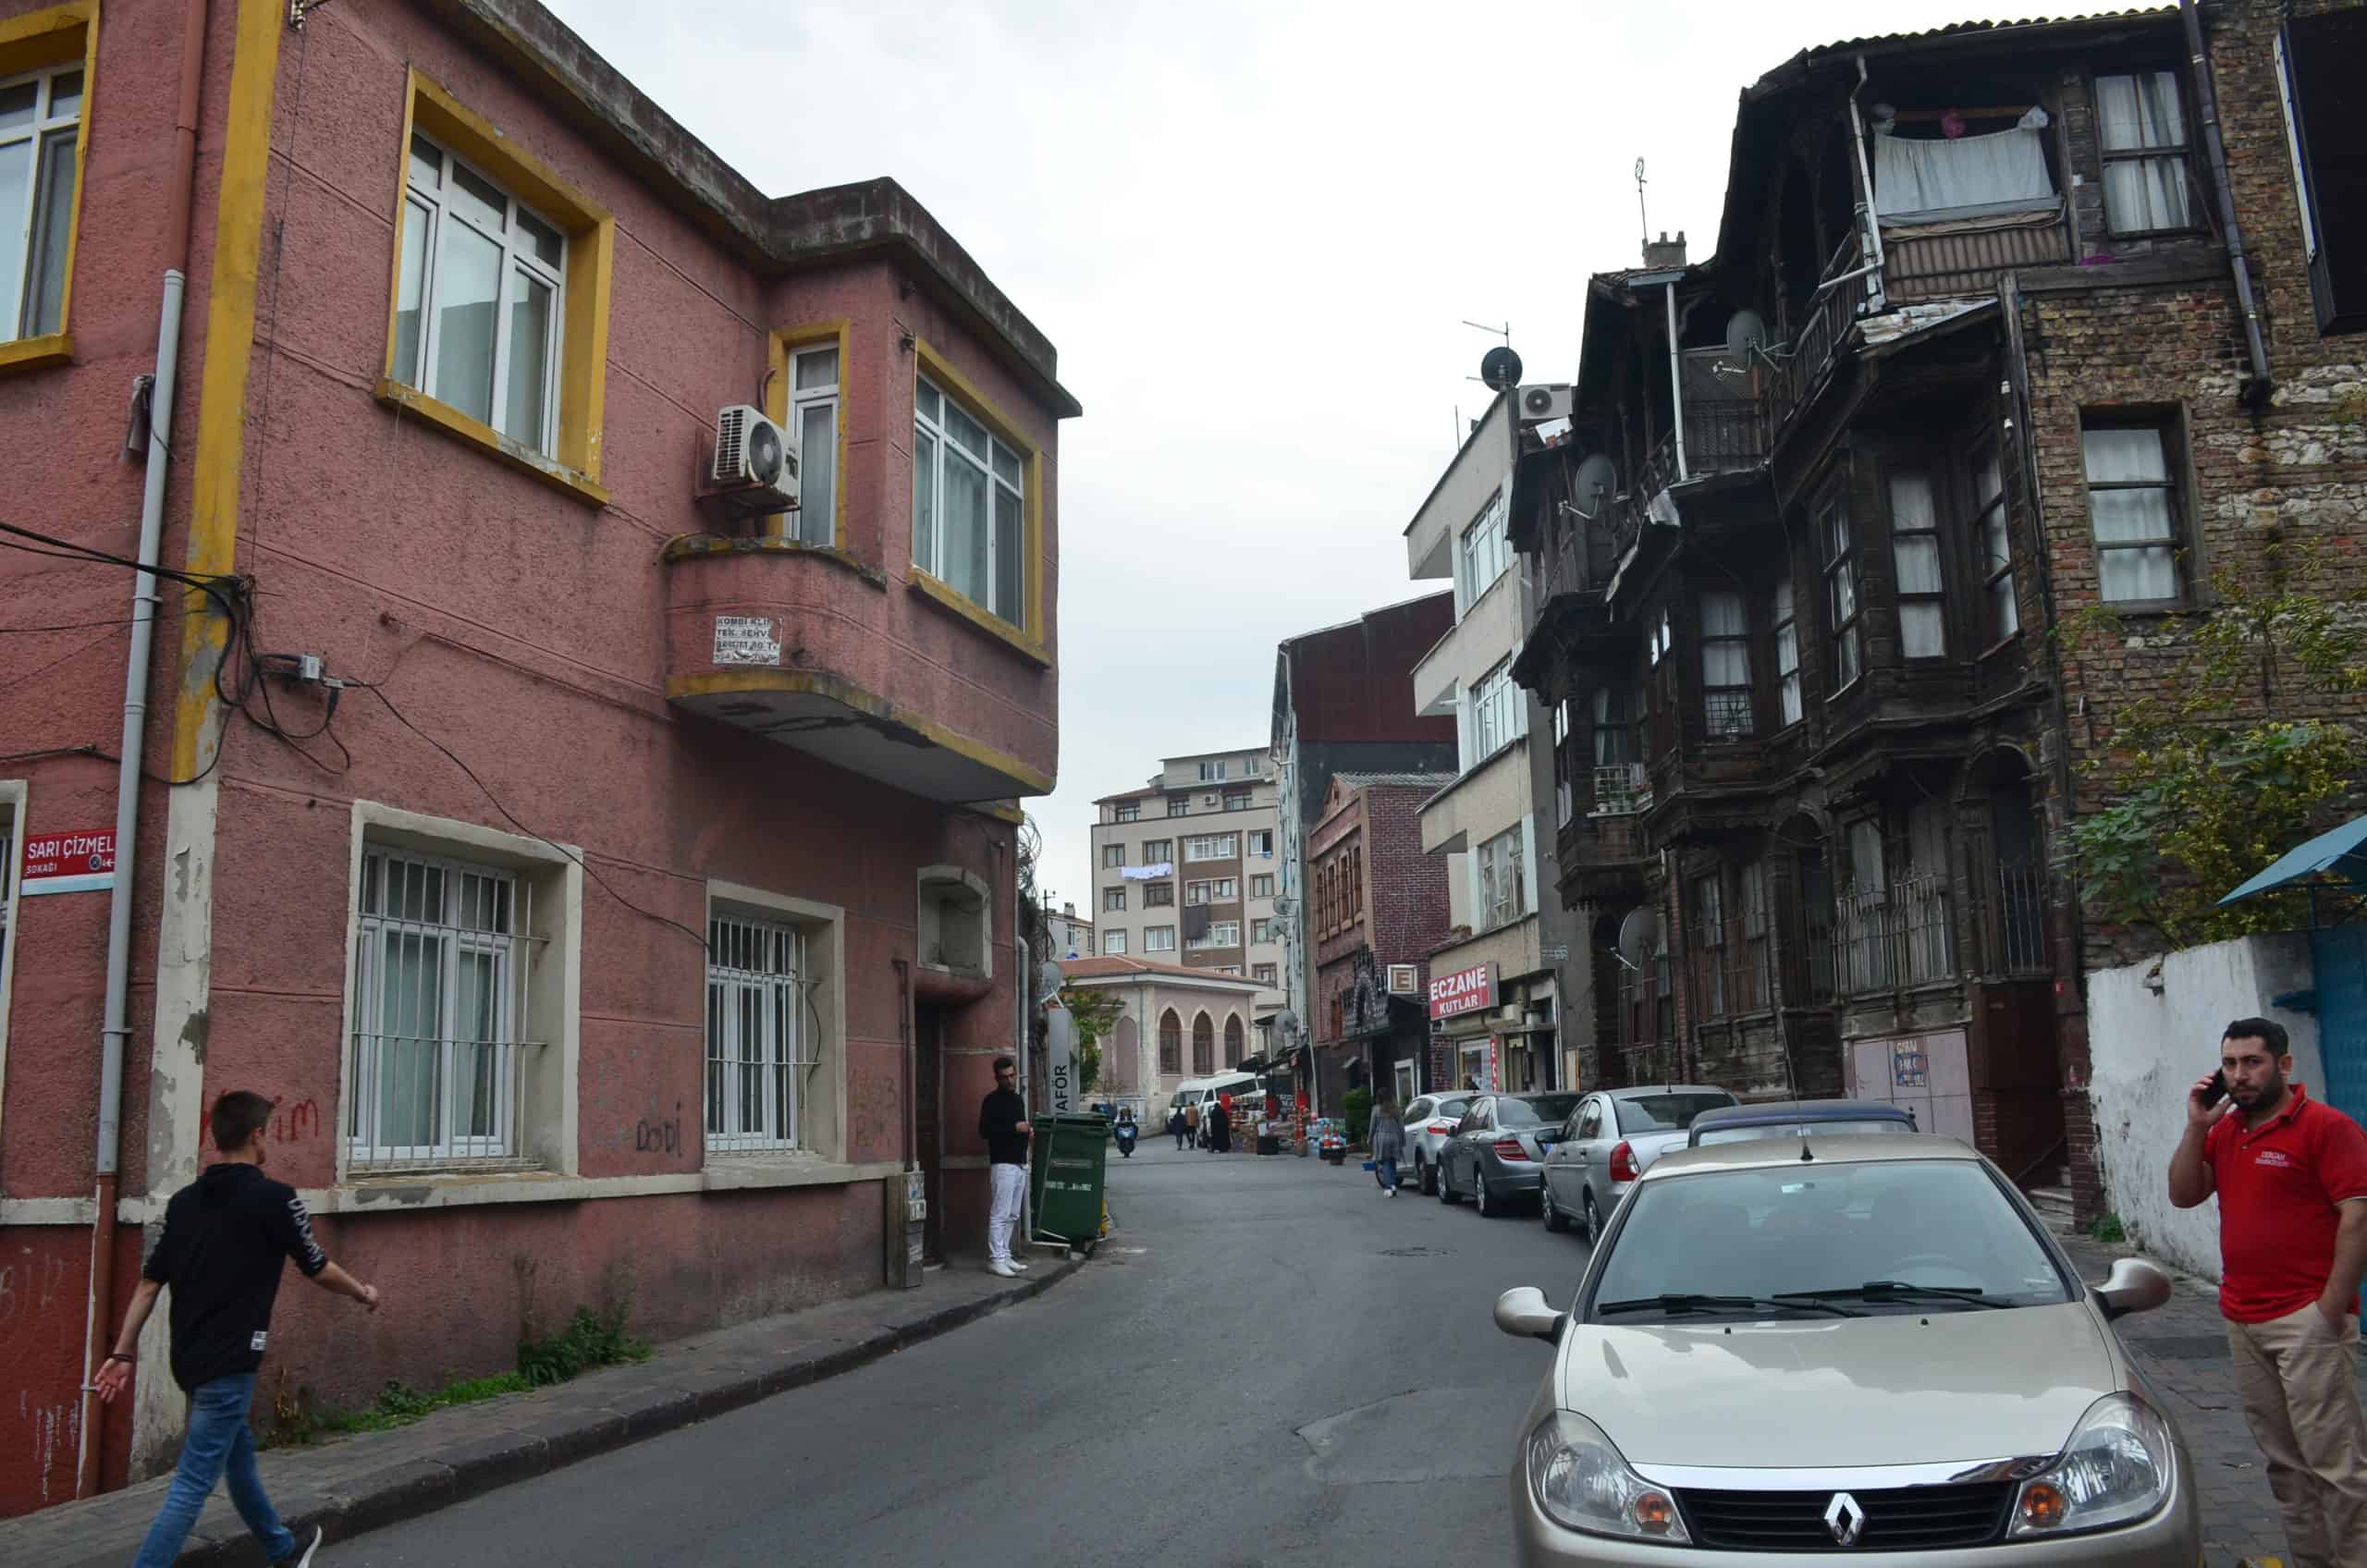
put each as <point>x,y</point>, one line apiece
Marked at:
<point>1953,29</point>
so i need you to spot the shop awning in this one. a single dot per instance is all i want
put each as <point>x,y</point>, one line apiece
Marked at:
<point>2342,851</point>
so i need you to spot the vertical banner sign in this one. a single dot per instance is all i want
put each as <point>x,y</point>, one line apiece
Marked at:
<point>68,862</point>
<point>1060,1045</point>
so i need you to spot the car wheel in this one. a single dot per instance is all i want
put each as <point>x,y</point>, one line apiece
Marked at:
<point>1446,1187</point>
<point>1591,1221</point>
<point>1488,1208</point>
<point>1426,1176</point>
<point>1554,1219</point>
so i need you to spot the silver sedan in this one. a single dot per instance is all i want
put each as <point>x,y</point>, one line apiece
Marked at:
<point>1875,1355</point>
<point>1499,1149</point>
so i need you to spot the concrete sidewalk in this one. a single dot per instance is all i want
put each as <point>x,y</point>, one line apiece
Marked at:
<point>350,1485</point>
<point>2183,1349</point>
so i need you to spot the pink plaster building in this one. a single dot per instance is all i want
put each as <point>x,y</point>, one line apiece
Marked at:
<point>613,881</point>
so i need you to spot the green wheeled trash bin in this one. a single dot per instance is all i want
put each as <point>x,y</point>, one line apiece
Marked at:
<point>1064,1179</point>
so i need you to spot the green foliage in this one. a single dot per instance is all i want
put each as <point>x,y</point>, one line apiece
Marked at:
<point>590,1339</point>
<point>2109,1230</point>
<point>1355,1108</point>
<point>296,1421</point>
<point>1096,1013</point>
<point>2205,784</point>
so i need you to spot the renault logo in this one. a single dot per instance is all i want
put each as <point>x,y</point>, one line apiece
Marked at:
<point>1845,1519</point>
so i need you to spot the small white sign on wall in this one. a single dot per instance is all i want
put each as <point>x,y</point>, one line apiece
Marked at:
<point>747,639</point>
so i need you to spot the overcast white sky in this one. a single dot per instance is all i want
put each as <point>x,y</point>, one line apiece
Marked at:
<point>1253,231</point>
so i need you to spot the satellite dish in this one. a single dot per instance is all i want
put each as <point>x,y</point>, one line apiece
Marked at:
<point>1499,368</point>
<point>1592,487</point>
<point>1639,933</point>
<point>1746,332</point>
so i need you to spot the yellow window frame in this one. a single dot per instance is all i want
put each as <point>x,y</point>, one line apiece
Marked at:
<point>1027,639</point>
<point>785,346</point>
<point>56,36</point>
<point>591,233</point>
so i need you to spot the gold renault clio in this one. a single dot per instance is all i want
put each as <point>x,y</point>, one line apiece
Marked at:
<point>1863,1349</point>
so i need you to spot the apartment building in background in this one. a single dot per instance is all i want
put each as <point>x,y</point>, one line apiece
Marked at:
<point>1186,871</point>
<point>661,834</point>
<point>1377,907</point>
<point>2024,351</point>
<point>1498,978</point>
<point>1173,1022</point>
<point>1342,704</point>
<point>1072,933</point>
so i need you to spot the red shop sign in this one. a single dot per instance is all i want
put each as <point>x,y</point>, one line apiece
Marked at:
<point>1466,990</point>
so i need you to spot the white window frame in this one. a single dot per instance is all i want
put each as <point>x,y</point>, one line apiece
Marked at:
<point>933,447</point>
<point>1499,875</point>
<point>48,133</point>
<point>429,207</point>
<point>1212,846</point>
<point>1496,715</point>
<point>1113,942</point>
<point>822,1116</point>
<point>1158,938</point>
<point>1212,771</point>
<point>1262,884</point>
<point>1482,554</point>
<point>12,825</point>
<point>546,1105</point>
<point>787,1028</point>
<point>1257,837</point>
<point>812,525</point>
<point>1220,934</point>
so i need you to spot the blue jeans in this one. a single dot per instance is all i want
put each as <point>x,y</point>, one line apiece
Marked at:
<point>219,1442</point>
<point>1387,1174</point>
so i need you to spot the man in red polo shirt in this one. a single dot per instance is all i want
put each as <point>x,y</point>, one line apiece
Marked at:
<point>2291,1175</point>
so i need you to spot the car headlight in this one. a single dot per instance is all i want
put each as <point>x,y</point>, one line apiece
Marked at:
<point>2115,1470</point>
<point>1581,1482</point>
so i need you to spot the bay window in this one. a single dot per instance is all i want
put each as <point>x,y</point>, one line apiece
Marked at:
<point>1787,654</point>
<point>969,506</point>
<point>1840,587</point>
<point>1915,558</point>
<point>1725,665</point>
<point>2002,611</point>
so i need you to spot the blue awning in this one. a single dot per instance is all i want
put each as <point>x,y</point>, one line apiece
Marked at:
<point>2343,851</point>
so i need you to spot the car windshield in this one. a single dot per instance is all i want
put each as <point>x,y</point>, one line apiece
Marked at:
<point>1855,1127</point>
<point>1534,1110</point>
<point>1452,1110</point>
<point>1671,1112</point>
<point>1829,1229</point>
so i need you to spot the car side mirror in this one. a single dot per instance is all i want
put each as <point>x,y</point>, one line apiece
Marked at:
<point>1522,1312</point>
<point>2134,1285</point>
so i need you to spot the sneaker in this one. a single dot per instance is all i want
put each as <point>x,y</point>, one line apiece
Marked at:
<point>1019,1265</point>
<point>303,1559</point>
<point>997,1265</point>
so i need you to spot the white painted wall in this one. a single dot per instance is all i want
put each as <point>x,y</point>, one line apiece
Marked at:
<point>2149,1047</point>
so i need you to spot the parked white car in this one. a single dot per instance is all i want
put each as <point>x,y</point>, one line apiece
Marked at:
<point>1610,1140</point>
<point>1429,1121</point>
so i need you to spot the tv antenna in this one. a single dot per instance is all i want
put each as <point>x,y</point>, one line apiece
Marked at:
<point>1641,216</point>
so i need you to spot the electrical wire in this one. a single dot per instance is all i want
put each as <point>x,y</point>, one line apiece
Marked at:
<point>64,626</point>
<point>588,870</point>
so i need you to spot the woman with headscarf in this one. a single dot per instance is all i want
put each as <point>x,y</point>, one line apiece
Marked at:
<point>1388,1146</point>
<point>1220,1125</point>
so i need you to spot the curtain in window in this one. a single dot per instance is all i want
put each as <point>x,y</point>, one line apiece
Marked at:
<point>1725,653</point>
<point>1914,549</point>
<point>2132,457</point>
<point>1913,175</point>
<point>2138,112</point>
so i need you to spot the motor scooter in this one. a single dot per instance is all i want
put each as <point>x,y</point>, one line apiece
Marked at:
<point>1125,1132</point>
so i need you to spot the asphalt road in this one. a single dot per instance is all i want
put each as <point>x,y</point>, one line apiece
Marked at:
<point>1268,1362</point>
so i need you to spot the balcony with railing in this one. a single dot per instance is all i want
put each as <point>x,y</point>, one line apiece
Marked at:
<point>1602,849</point>
<point>2010,923</point>
<point>1722,435</point>
<point>1888,937</point>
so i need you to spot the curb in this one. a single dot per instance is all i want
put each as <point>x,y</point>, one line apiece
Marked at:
<point>500,1444</point>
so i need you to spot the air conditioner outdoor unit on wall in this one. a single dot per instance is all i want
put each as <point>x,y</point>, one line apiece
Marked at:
<point>1539,403</point>
<point>755,468</point>
<point>1402,979</point>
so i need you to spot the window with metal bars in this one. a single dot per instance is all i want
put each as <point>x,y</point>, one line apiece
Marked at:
<point>1171,1043</point>
<point>760,1039</point>
<point>442,965</point>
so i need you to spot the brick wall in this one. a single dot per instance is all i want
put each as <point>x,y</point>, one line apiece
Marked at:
<point>2293,473</point>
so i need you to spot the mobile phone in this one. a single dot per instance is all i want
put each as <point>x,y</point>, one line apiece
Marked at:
<point>2216,1090</point>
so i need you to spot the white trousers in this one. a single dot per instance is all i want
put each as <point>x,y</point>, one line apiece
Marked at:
<point>1010,1181</point>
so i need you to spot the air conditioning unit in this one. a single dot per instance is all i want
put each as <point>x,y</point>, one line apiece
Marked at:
<point>1209,799</point>
<point>755,468</point>
<point>1402,979</point>
<point>1540,403</point>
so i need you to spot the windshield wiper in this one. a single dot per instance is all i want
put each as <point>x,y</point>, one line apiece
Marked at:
<point>1892,1289</point>
<point>1686,1301</point>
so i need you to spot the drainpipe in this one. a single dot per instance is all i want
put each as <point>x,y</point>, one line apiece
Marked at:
<point>117,1027</point>
<point>1676,381</point>
<point>2206,99</point>
<point>1873,224</point>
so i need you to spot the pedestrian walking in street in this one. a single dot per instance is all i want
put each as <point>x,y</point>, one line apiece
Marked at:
<point>1176,1125</point>
<point>1192,1124</point>
<point>2291,1174</point>
<point>1002,1122</point>
<point>1220,1125</point>
<point>1388,1146</point>
<point>227,1235</point>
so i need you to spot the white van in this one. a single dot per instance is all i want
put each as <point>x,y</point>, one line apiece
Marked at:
<point>1199,1091</point>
